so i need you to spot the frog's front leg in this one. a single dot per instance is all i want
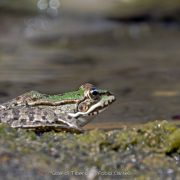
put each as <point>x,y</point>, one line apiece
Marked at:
<point>67,123</point>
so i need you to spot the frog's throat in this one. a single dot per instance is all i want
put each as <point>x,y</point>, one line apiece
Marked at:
<point>100,106</point>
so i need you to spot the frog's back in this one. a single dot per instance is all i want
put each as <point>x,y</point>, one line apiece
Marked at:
<point>18,113</point>
<point>21,100</point>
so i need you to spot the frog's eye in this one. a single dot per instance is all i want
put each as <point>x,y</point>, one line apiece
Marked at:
<point>94,94</point>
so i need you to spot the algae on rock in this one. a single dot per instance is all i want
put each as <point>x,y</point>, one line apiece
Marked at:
<point>151,149</point>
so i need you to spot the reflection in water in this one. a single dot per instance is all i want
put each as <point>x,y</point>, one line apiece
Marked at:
<point>33,25</point>
<point>137,61</point>
<point>42,23</point>
<point>49,6</point>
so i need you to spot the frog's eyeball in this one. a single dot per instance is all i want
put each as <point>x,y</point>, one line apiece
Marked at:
<point>94,92</point>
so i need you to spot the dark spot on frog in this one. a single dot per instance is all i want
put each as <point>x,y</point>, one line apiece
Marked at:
<point>44,118</point>
<point>15,113</point>
<point>31,115</point>
<point>31,118</point>
<point>45,113</point>
<point>22,120</point>
<point>4,115</point>
<point>69,117</point>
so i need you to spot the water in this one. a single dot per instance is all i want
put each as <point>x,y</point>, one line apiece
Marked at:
<point>53,52</point>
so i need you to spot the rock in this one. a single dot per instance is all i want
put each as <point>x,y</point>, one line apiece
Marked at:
<point>128,152</point>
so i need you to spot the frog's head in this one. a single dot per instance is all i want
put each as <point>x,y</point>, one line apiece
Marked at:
<point>94,101</point>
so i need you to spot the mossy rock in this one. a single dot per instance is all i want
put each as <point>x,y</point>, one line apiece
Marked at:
<point>147,149</point>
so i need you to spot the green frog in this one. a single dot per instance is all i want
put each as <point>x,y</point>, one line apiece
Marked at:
<point>62,112</point>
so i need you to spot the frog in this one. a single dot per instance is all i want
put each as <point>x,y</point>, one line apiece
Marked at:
<point>69,111</point>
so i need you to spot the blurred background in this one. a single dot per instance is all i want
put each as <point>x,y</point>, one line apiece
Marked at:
<point>130,47</point>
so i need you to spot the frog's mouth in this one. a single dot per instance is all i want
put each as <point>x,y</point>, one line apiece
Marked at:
<point>100,106</point>
<point>96,108</point>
